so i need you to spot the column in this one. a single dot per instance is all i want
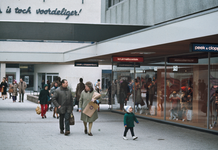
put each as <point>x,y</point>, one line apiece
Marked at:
<point>3,70</point>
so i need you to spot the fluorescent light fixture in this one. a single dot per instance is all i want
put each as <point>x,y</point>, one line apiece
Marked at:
<point>96,60</point>
<point>24,67</point>
<point>137,71</point>
<point>143,53</point>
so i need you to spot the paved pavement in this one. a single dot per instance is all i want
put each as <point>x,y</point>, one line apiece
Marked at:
<point>22,129</point>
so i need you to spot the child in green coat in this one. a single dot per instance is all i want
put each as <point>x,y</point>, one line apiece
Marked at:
<point>129,119</point>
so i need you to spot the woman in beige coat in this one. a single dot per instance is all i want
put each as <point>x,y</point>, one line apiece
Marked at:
<point>85,98</point>
<point>14,93</point>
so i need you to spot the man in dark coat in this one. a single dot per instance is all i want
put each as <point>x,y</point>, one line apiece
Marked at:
<point>79,88</point>
<point>63,100</point>
<point>124,90</point>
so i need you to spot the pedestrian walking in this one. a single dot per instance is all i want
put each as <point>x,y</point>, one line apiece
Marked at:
<point>4,88</point>
<point>85,98</point>
<point>49,85</point>
<point>57,80</point>
<point>79,88</point>
<point>43,100</point>
<point>98,86</point>
<point>129,119</point>
<point>63,100</point>
<point>14,93</point>
<point>21,86</point>
<point>52,104</point>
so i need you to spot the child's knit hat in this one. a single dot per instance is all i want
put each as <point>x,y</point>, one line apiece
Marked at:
<point>127,108</point>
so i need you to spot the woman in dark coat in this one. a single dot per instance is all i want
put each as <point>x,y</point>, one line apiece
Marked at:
<point>4,87</point>
<point>43,100</point>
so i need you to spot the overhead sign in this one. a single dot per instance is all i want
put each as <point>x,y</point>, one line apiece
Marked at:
<point>128,59</point>
<point>86,64</point>
<point>128,65</point>
<point>182,60</point>
<point>204,48</point>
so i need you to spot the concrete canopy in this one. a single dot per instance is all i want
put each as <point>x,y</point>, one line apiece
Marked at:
<point>153,43</point>
<point>62,31</point>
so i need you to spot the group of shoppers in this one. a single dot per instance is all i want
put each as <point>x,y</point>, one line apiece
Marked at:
<point>14,89</point>
<point>62,100</point>
<point>123,88</point>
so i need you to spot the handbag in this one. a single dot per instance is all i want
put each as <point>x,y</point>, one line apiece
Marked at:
<point>10,90</point>
<point>72,121</point>
<point>2,90</point>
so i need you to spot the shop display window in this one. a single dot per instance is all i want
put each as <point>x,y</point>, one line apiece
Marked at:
<point>177,92</point>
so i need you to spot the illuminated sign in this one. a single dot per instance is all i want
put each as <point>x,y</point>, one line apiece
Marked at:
<point>128,59</point>
<point>204,48</point>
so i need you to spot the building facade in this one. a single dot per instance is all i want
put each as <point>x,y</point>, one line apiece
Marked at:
<point>167,71</point>
<point>173,84</point>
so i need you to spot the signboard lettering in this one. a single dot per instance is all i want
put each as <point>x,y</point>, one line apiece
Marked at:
<point>48,11</point>
<point>128,59</point>
<point>204,48</point>
<point>86,64</point>
<point>182,60</point>
<point>128,65</point>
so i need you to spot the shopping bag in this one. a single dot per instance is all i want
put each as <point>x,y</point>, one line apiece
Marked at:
<point>72,120</point>
<point>152,111</point>
<point>90,109</point>
<point>189,115</point>
<point>38,110</point>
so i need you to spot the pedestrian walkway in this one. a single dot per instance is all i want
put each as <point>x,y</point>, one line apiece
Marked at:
<point>22,129</point>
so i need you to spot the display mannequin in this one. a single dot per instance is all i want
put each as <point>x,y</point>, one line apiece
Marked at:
<point>214,100</point>
<point>174,99</point>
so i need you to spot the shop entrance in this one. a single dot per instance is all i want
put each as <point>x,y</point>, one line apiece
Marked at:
<point>46,78</point>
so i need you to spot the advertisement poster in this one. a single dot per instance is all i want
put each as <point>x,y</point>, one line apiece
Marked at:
<point>26,79</point>
<point>10,79</point>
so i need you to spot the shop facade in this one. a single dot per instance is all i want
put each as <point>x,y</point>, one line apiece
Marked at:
<point>186,86</point>
<point>173,84</point>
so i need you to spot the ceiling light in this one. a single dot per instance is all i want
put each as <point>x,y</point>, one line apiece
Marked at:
<point>143,53</point>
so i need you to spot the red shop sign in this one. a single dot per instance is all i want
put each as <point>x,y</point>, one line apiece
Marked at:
<point>128,59</point>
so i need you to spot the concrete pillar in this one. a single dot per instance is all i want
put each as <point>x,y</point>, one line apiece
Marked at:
<point>3,70</point>
<point>195,104</point>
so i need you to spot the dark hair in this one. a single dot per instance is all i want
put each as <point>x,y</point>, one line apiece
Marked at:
<point>63,81</point>
<point>81,80</point>
<point>99,80</point>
